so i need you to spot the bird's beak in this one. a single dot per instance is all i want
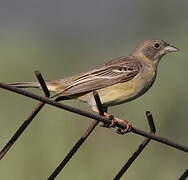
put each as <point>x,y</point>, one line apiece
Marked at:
<point>171,48</point>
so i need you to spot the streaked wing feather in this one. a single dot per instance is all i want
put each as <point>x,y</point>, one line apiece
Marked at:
<point>111,73</point>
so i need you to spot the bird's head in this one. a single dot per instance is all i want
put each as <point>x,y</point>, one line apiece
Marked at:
<point>153,50</point>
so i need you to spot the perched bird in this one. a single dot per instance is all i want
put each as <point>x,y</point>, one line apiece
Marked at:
<point>118,81</point>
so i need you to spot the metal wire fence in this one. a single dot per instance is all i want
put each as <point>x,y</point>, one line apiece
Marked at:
<point>96,119</point>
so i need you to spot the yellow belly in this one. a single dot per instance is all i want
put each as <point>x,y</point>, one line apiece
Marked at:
<point>122,92</point>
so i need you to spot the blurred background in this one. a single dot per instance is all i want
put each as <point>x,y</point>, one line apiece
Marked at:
<point>61,38</point>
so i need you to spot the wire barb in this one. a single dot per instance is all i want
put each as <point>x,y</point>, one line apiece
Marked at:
<point>92,116</point>
<point>25,124</point>
<point>80,141</point>
<point>140,148</point>
<point>42,83</point>
<point>97,118</point>
<point>151,122</point>
<point>98,103</point>
<point>184,175</point>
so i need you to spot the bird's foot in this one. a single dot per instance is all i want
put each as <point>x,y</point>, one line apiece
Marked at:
<point>112,123</point>
<point>124,130</point>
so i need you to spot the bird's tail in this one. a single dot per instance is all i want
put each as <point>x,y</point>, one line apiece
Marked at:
<point>25,84</point>
<point>53,86</point>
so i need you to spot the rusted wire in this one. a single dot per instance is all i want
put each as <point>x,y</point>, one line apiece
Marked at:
<point>80,141</point>
<point>97,119</point>
<point>140,148</point>
<point>29,118</point>
<point>92,116</point>
<point>20,130</point>
<point>42,83</point>
<point>184,175</point>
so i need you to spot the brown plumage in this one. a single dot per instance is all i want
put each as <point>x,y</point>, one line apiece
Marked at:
<point>119,80</point>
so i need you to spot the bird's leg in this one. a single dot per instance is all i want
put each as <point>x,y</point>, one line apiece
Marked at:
<point>124,130</point>
<point>114,121</point>
<point>111,117</point>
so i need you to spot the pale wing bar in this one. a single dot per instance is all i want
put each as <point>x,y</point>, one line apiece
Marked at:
<point>101,78</point>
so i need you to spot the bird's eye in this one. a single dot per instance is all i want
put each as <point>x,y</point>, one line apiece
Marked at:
<point>156,45</point>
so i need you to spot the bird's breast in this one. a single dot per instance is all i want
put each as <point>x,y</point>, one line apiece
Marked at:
<point>126,91</point>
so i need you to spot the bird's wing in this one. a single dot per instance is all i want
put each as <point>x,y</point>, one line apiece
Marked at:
<point>115,71</point>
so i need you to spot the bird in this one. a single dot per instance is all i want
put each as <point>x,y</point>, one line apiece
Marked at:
<point>118,81</point>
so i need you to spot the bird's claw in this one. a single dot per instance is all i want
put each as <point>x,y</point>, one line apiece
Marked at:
<point>126,130</point>
<point>114,122</point>
<point>111,124</point>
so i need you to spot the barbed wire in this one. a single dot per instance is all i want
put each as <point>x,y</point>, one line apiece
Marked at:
<point>97,118</point>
